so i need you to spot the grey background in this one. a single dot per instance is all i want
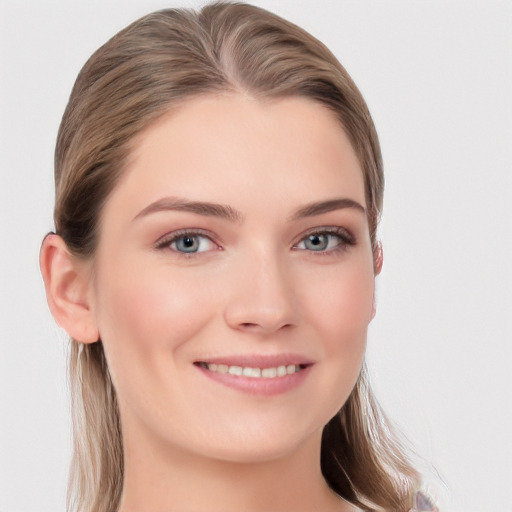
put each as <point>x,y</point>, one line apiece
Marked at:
<point>437,76</point>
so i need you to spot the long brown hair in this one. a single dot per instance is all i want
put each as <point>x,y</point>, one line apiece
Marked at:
<point>157,61</point>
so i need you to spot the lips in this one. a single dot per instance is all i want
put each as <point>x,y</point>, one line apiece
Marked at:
<point>253,372</point>
<point>258,360</point>
<point>257,374</point>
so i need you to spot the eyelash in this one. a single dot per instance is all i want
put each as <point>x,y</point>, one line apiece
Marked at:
<point>167,240</point>
<point>345,240</point>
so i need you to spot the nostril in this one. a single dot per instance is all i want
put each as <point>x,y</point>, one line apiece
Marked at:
<point>248,325</point>
<point>255,328</point>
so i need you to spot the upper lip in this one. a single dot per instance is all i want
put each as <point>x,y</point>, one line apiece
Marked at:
<point>258,360</point>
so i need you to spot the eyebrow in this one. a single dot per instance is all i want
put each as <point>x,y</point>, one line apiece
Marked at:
<point>198,207</point>
<point>227,212</point>
<point>319,207</point>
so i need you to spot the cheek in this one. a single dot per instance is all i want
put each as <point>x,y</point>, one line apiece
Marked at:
<point>344,299</point>
<point>145,317</point>
<point>149,299</point>
<point>341,309</point>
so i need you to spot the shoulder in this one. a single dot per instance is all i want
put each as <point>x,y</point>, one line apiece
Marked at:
<point>421,502</point>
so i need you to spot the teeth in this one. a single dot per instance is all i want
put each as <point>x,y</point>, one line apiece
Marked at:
<point>281,370</point>
<point>235,370</point>
<point>269,373</point>
<point>251,372</point>
<point>246,371</point>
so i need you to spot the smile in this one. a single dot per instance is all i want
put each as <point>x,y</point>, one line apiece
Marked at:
<point>254,373</point>
<point>263,376</point>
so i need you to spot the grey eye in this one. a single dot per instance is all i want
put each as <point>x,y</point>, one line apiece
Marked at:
<point>187,243</point>
<point>324,241</point>
<point>317,242</point>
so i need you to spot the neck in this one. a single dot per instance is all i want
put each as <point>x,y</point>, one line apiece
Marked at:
<point>164,479</point>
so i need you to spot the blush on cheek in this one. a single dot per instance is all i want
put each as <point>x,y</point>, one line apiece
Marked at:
<point>345,311</point>
<point>350,301</point>
<point>159,314</point>
<point>144,323</point>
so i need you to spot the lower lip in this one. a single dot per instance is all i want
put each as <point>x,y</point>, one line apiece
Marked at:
<point>259,385</point>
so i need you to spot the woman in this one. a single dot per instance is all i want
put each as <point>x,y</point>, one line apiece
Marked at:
<point>218,188</point>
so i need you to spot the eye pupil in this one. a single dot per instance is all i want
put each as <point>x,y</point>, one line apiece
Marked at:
<point>187,244</point>
<point>317,242</point>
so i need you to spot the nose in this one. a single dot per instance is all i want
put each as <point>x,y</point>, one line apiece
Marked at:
<point>262,299</point>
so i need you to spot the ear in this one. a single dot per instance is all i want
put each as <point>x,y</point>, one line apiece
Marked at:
<point>67,284</point>
<point>378,260</point>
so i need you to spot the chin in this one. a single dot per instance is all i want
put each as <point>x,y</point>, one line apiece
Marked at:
<point>258,442</point>
<point>254,452</point>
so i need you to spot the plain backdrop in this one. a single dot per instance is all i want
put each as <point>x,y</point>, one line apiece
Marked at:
<point>437,76</point>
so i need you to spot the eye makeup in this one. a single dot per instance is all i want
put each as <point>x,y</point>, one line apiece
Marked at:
<point>319,241</point>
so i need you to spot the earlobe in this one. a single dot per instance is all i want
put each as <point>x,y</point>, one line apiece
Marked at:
<point>67,286</point>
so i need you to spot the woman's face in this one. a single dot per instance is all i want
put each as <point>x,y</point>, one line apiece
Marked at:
<point>236,242</point>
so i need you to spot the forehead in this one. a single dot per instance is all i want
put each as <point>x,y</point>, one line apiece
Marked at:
<point>222,147</point>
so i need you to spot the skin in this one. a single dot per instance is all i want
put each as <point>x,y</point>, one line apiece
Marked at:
<point>255,287</point>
